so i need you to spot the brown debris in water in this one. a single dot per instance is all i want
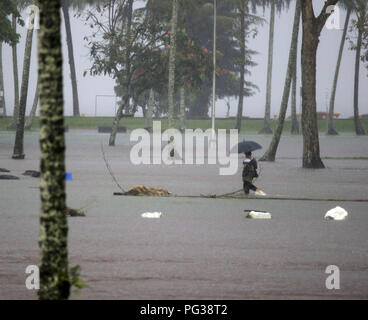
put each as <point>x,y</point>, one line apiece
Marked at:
<point>146,191</point>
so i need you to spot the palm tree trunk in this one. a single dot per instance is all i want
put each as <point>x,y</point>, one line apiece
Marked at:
<point>2,91</point>
<point>18,152</point>
<point>270,154</point>
<point>32,114</point>
<point>330,127</point>
<point>16,78</point>
<point>182,110</point>
<point>53,242</point>
<point>239,116</point>
<point>267,119</point>
<point>294,120</point>
<point>69,41</point>
<point>358,126</point>
<point>311,33</point>
<point>149,112</point>
<point>127,80</point>
<point>172,57</point>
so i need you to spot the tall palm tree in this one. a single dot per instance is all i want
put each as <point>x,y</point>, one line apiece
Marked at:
<point>54,275</point>
<point>32,114</point>
<point>15,77</point>
<point>18,152</point>
<point>270,154</point>
<point>172,55</point>
<point>267,117</point>
<point>2,91</point>
<point>330,126</point>
<point>65,4</point>
<point>294,120</point>
<point>21,5</point>
<point>242,7</point>
<point>276,5</point>
<point>361,24</point>
<point>7,35</point>
<point>79,5</point>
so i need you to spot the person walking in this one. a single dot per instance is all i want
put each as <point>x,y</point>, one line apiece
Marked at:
<point>249,173</point>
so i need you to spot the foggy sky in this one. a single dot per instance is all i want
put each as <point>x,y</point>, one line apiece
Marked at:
<point>90,86</point>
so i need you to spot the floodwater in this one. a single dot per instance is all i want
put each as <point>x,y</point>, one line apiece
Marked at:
<point>200,248</point>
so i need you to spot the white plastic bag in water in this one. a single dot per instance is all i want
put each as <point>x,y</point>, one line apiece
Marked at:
<point>151,215</point>
<point>337,213</point>
<point>259,215</point>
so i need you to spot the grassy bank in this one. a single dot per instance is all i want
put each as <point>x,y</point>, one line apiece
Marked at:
<point>249,125</point>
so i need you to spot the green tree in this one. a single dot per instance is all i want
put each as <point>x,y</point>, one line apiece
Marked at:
<point>193,61</point>
<point>148,54</point>
<point>7,32</point>
<point>120,41</point>
<point>199,25</point>
<point>312,27</point>
<point>54,278</point>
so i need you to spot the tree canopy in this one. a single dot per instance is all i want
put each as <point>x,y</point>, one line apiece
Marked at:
<point>7,33</point>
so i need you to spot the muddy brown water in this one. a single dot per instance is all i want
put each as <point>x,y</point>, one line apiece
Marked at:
<point>199,248</point>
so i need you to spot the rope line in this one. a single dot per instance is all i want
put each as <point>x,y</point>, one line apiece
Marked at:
<point>109,169</point>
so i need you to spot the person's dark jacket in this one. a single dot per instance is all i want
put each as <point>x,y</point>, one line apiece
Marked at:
<point>250,170</point>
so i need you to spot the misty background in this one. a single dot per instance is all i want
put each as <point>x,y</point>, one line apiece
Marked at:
<point>91,86</point>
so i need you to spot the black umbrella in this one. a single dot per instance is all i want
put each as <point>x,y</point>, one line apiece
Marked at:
<point>248,146</point>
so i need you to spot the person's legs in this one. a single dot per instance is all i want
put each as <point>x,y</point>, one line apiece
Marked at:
<point>245,187</point>
<point>250,186</point>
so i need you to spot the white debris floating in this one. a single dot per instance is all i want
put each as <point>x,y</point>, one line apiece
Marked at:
<point>259,215</point>
<point>152,215</point>
<point>337,213</point>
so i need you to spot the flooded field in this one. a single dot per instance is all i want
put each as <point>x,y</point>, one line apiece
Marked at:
<point>200,248</point>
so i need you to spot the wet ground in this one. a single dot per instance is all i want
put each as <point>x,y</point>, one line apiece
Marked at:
<point>199,248</point>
